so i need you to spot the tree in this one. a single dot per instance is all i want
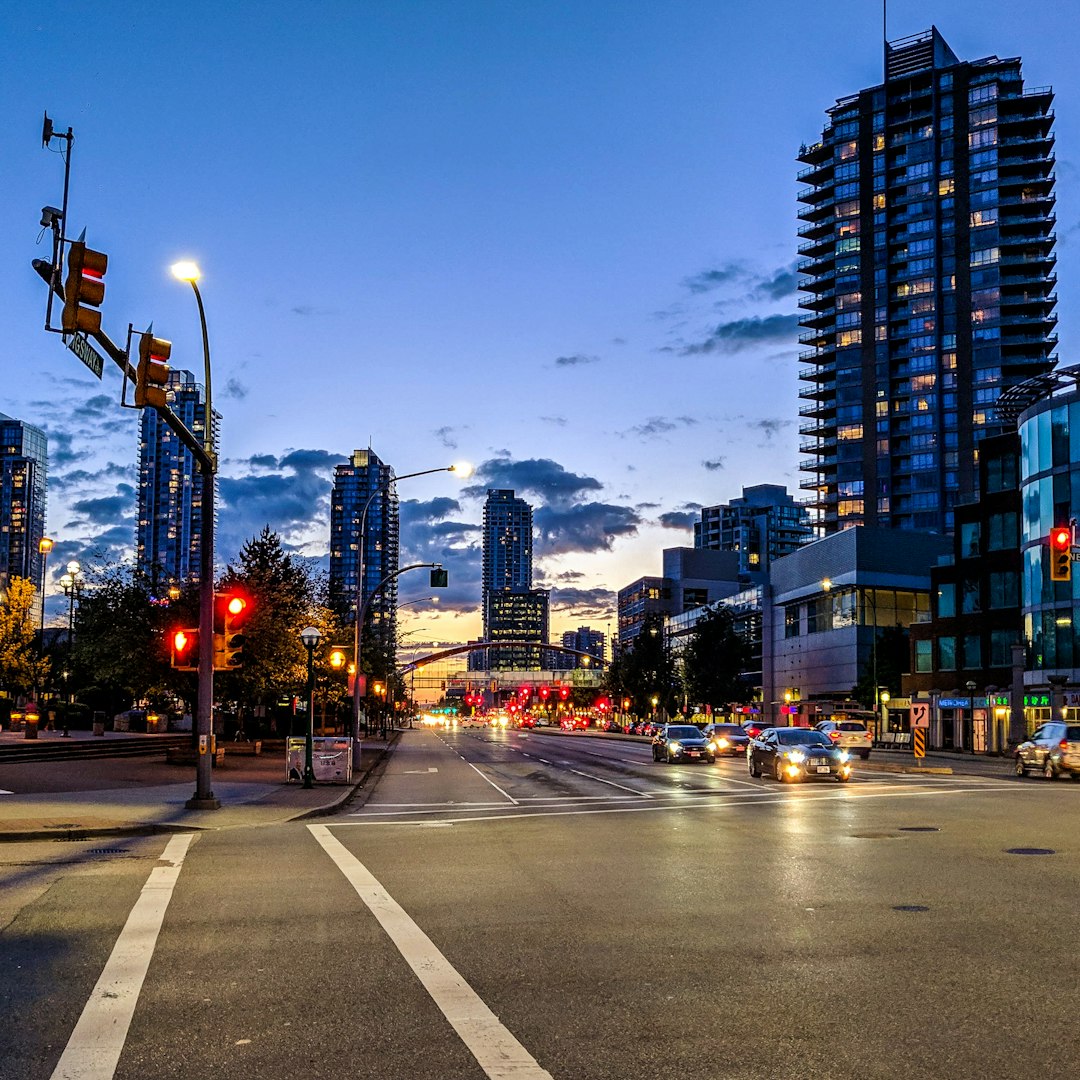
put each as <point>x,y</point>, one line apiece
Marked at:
<point>714,660</point>
<point>20,669</point>
<point>645,669</point>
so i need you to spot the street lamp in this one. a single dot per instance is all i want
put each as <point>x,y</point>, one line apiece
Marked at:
<point>45,545</point>
<point>310,637</point>
<point>461,469</point>
<point>204,799</point>
<point>72,585</point>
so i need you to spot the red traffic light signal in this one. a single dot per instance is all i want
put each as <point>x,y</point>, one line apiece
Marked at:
<point>564,692</point>
<point>152,374</point>
<point>185,650</point>
<point>84,285</point>
<point>544,692</point>
<point>230,612</point>
<point>1061,545</point>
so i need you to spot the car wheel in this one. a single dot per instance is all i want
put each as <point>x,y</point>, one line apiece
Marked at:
<point>752,766</point>
<point>1020,770</point>
<point>1048,769</point>
<point>711,760</point>
<point>843,777</point>
<point>778,770</point>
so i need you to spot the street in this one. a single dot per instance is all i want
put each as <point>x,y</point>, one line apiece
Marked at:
<point>522,905</point>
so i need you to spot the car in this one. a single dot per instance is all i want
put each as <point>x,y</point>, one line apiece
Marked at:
<point>526,721</point>
<point>850,735</point>
<point>797,753</point>
<point>682,742</point>
<point>727,738</point>
<point>1053,750</point>
<point>753,728</point>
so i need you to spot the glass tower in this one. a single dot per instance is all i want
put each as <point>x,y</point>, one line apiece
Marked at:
<point>927,249</point>
<point>168,537</point>
<point>24,457</point>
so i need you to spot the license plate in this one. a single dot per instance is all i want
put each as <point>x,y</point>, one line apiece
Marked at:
<point>823,768</point>
<point>692,753</point>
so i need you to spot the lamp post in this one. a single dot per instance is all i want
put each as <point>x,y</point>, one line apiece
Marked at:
<point>204,798</point>
<point>360,600</point>
<point>72,584</point>
<point>45,545</point>
<point>310,637</point>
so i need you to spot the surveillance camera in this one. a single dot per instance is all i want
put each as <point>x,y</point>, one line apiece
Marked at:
<point>50,216</point>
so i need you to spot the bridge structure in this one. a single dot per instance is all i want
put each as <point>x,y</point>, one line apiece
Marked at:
<point>445,673</point>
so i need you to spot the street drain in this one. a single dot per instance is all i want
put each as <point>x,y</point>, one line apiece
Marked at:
<point>911,907</point>
<point>919,828</point>
<point>876,836</point>
<point>107,851</point>
<point>1030,851</point>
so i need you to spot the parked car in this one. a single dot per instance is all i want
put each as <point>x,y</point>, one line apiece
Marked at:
<point>727,738</point>
<point>797,753</point>
<point>682,742</point>
<point>1053,750</point>
<point>851,735</point>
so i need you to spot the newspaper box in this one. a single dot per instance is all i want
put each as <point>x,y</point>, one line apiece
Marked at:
<point>331,759</point>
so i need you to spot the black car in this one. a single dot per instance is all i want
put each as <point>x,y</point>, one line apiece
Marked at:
<point>682,742</point>
<point>797,753</point>
<point>728,738</point>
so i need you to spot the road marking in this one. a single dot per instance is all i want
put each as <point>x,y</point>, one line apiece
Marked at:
<point>496,1050</point>
<point>622,787</point>
<point>6,792</point>
<point>93,1050</point>
<point>491,782</point>
<point>422,772</point>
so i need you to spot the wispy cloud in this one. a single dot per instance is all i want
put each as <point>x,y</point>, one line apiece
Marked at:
<point>575,360</point>
<point>739,334</point>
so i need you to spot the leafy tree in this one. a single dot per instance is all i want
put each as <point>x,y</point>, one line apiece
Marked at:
<point>645,670</point>
<point>20,669</point>
<point>714,660</point>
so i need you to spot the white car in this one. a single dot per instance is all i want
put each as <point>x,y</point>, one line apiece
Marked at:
<point>850,735</point>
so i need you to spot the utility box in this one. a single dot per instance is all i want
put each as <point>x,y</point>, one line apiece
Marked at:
<point>331,759</point>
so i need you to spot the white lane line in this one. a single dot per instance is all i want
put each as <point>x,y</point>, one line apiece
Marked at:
<point>621,787</point>
<point>491,782</point>
<point>93,1051</point>
<point>479,808</point>
<point>449,802</point>
<point>496,1050</point>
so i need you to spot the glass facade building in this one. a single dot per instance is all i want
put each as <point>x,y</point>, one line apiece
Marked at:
<point>927,249</point>
<point>364,481</point>
<point>24,459</point>
<point>168,536</point>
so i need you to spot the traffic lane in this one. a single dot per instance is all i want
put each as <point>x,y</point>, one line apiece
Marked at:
<point>64,905</point>
<point>774,924</point>
<point>269,964</point>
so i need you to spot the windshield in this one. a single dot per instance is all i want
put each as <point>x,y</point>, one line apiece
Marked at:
<point>851,726</point>
<point>728,729</point>
<point>801,737</point>
<point>683,733</point>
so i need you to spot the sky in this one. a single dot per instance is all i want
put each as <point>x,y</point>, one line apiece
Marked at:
<point>556,240</point>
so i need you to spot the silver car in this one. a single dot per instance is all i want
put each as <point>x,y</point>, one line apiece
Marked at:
<point>1053,750</point>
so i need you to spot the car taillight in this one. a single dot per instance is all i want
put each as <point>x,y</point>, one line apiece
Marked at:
<point>1064,744</point>
<point>834,735</point>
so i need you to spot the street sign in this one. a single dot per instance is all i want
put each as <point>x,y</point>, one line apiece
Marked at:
<point>918,742</point>
<point>86,352</point>
<point>920,714</point>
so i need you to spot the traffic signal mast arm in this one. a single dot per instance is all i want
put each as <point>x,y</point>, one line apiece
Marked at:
<point>207,461</point>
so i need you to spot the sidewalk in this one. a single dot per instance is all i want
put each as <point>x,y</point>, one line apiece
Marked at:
<point>100,796</point>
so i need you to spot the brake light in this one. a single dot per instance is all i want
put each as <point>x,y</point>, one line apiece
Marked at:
<point>834,735</point>
<point>1064,744</point>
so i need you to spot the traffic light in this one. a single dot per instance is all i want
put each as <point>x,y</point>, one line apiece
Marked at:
<point>439,578</point>
<point>564,692</point>
<point>185,650</point>
<point>84,289</point>
<point>230,612</point>
<point>1061,544</point>
<point>153,371</point>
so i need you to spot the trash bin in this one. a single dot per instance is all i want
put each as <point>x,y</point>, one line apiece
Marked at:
<point>31,727</point>
<point>99,724</point>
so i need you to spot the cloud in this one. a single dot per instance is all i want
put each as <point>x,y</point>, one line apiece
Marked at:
<point>84,480</point>
<point>659,425</point>
<point>739,334</point>
<point>588,603</point>
<point>558,421</point>
<point>714,464</point>
<point>770,428</point>
<point>679,519</point>
<point>235,389</point>
<point>783,283</point>
<point>707,280</point>
<point>445,435</point>
<point>584,527</point>
<point>575,360</point>
<point>538,476</point>
<point>109,509</point>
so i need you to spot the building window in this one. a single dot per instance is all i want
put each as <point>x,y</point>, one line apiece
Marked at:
<point>1001,643</point>
<point>791,622</point>
<point>970,535</point>
<point>946,600</point>
<point>947,653</point>
<point>924,655</point>
<point>1004,589</point>
<point>972,652</point>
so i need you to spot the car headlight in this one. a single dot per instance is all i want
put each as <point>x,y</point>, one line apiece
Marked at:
<point>844,755</point>
<point>721,744</point>
<point>796,757</point>
<point>675,747</point>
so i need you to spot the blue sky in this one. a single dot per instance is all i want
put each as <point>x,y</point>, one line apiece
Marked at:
<point>553,239</point>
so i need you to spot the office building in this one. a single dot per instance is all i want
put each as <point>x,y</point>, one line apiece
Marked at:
<point>582,640</point>
<point>763,525</point>
<point>364,482</point>
<point>24,458</point>
<point>168,537</point>
<point>519,616</point>
<point>928,253</point>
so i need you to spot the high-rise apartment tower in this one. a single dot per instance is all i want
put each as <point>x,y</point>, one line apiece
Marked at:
<point>24,458</point>
<point>927,245</point>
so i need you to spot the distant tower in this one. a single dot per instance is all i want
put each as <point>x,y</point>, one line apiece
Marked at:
<point>763,525</point>
<point>168,538</point>
<point>24,458</point>
<point>583,640</point>
<point>927,244</point>
<point>513,609</point>
<point>365,477</point>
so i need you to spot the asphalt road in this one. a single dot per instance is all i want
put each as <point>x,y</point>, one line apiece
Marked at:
<point>516,905</point>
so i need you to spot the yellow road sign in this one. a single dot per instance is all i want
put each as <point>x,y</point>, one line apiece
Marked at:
<point>918,742</point>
